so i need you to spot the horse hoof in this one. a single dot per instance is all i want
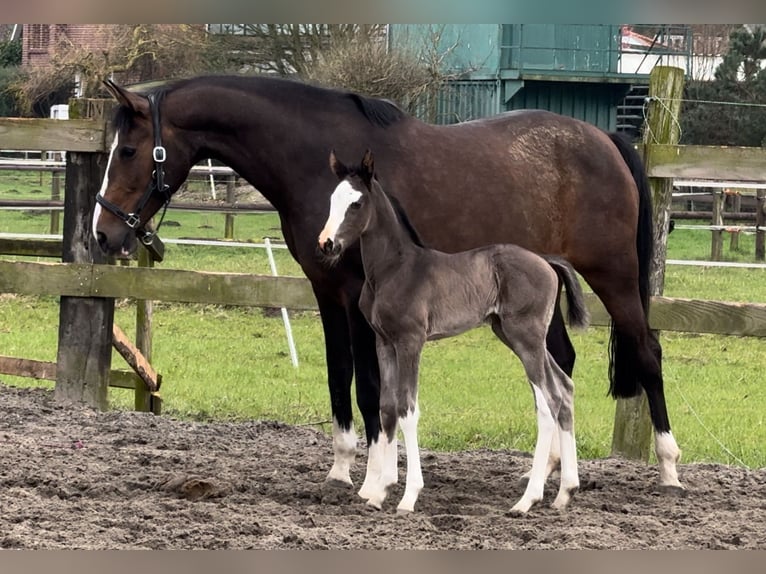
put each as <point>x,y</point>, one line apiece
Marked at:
<point>677,490</point>
<point>516,513</point>
<point>333,482</point>
<point>375,504</point>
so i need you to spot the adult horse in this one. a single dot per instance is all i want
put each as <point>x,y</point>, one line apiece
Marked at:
<point>550,183</point>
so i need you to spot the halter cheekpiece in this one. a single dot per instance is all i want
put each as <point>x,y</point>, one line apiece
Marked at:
<point>157,185</point>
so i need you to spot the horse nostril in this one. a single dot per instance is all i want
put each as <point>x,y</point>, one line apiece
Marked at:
<point>101,239</point>
<point>328,246</point>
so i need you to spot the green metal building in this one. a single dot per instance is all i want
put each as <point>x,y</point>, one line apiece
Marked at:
<point>568,69</point>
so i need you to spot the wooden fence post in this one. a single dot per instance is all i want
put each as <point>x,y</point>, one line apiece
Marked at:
<point>760,220</point>
<point>85,324</point>
<point>144,313</point>
<point>736,207</point>
<point>228,232</point>
<point>716,245</point>
<point>632,424</point>
<point>55,196</point>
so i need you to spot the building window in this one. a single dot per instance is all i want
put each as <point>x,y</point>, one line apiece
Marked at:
<point>39,37</point>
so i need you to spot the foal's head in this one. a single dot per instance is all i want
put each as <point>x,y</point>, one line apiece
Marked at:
<point>350,206</point>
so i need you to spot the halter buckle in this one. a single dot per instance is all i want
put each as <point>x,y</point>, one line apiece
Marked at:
<point>159,154</point>
<point>132,220</point>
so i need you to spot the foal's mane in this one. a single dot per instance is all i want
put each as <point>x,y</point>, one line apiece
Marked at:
<point>379,112</point>
<point>401,214</point>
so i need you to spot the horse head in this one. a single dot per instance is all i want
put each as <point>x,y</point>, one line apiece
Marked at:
<point>147,164</point>
<point>350,206</point>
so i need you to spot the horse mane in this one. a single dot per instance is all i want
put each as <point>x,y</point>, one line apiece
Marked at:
<point>402,216</point>
<point>379,112</point>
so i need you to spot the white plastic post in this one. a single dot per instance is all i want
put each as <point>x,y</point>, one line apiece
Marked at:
<point>212,178</point>
<point>285,318</point>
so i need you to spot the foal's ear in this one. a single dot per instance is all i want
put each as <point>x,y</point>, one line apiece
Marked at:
<point>368,167</point>
<point>134,101</point>
<point>337,166</point>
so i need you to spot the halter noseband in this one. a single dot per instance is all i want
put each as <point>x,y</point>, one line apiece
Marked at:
<point>157,184</point>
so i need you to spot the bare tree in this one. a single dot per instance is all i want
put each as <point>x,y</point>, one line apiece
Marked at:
<point>132,52</point>
<point>413,74</point>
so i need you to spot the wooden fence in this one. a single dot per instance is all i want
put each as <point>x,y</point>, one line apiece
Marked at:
<point>745,214</point>
<point>87,286</point>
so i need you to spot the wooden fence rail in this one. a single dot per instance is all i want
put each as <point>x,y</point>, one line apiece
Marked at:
<point>239,289</point>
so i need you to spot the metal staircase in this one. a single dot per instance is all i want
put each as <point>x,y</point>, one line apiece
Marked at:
<point>630,113</point>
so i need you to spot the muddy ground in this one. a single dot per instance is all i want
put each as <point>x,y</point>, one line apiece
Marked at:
<point>74,478</point>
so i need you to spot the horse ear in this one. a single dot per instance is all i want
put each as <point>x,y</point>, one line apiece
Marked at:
<point>337,166</point>
<point>368,165</point>
<point>132,100</point>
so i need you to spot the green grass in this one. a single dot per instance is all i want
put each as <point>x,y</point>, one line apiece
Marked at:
<point>233,363</point>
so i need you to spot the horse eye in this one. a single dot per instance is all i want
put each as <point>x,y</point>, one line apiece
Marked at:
<point>127,152</point>
<point>354,206</point>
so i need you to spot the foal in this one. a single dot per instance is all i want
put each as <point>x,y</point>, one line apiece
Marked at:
<point>413,294</point>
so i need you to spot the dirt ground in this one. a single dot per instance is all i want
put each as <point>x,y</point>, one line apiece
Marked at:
<point>74,478</point>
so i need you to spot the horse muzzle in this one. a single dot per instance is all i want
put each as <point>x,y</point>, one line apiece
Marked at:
<point>329,247</point>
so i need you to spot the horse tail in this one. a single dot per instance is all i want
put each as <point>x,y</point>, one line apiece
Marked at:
<point>577,312</point>
<point>623,379</point>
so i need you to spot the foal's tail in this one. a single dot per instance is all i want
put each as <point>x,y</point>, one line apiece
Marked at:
<point>577,313</point>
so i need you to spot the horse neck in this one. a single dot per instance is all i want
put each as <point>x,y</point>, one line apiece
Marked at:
<point>248,132</point>
<point>385,242</point>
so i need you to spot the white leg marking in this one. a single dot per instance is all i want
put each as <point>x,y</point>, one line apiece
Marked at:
<point>344,448</point>
<point>375,457</point>
<point>379,489</point>
<point>554,459</point>
<point>104,185</point>
<point>570,480</point>
<point>668,454</point>
<point>414,484</point>
<point>545,431</point>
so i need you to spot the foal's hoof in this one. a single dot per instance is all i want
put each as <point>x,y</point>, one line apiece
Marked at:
<point>677,490</point>
<point>331,482</point>
<point>516,513</point>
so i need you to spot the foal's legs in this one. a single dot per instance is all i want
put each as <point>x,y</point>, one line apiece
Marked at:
<point>554,404</point>
<point>562,385</point>
<point>380,453</point>
<point>399,406</point>
<point>560,347</point>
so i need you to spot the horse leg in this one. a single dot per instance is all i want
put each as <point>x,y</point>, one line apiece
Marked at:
<point>560,347</point>
<point>563,386</point>
<point>408,421</point>
<point>367,392</point>
<point>637,360</point>
<point>528,342</point>
<point>339,375</point>
<point>380,474</point>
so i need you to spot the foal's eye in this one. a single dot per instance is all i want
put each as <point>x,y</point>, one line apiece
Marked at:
<point>354,206</point>
<point>127,152</point>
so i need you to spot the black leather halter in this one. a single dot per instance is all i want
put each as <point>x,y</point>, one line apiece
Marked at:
<point>156,187</point>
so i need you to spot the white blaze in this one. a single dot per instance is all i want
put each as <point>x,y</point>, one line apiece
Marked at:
<point>104,185</point>
<point>343,196</point>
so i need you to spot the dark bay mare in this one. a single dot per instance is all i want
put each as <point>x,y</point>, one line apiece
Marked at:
<point>413,294</point>
<point>547,182</point>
